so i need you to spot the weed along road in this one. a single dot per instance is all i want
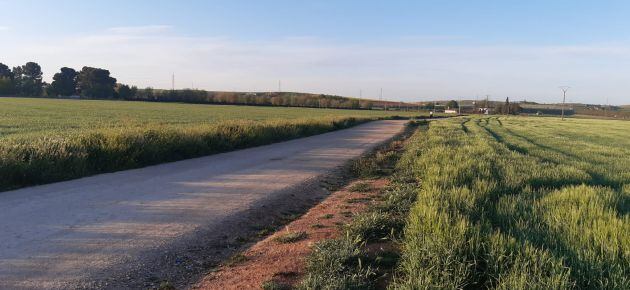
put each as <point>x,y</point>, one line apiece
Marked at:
<point>159,222</point>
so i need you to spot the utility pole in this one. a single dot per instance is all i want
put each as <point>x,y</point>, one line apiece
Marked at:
<point>459,106</point>
<point>279,85</point>
<point>564,97</point>
<point>487,105</point>
<point>173,82</point>
<point>381,99</point>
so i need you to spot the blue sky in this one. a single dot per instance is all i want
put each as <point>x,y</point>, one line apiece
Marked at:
<point>415,50</point>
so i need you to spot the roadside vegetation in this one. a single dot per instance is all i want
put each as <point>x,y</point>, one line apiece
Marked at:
<point>518,203</point>
<point>492,203</point>
<point>43,140</point>
<point>366,254</point>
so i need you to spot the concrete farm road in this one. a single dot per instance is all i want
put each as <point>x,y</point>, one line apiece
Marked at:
<point>67,235</point>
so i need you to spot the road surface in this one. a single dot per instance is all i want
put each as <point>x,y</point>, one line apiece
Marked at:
<point>70,234</point>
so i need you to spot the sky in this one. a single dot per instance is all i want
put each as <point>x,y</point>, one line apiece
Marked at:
<point>413,50</point>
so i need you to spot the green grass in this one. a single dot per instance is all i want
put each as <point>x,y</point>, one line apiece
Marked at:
<point>361,187</point>
<point>328,216</point>
<point>28,116</point>
<point>519,203</point>
<point>337,264</point>
<point>291,237</point>
<point>345,262</point>
<point>275,285</point>
<point>47,140</point>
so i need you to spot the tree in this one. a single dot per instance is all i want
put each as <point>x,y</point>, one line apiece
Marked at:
<point>125,92</point>
<point>95,83</point>
<point>6,86</point>
<point>64,83</point>
<point>5,72</point>
<point>452,104</point>
<point>28,79</point>
<point>6,80</point>
<point>506,107</point>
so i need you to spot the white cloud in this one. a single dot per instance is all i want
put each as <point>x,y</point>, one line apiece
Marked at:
<point>136,30</point>
<point>4,28</point>
<point>147,55</point>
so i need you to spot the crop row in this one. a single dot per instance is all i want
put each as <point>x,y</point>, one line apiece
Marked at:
<point>518,203</point>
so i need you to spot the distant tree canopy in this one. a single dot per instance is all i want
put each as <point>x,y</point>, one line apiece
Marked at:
<point>286,99</point>
<point>125,92</point>
<point>5,72</point>
<point>95,83</point>
<point>452,104</point>
<point>64,83</point>
<point>508,108</point>
<point>6,80</point>
<point>27,80</point>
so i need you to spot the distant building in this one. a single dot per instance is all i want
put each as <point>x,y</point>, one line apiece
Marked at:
<point>485,111</point>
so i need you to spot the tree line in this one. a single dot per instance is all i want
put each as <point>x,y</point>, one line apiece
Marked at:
<point>26,81</point>
<point>96,83</point>
<point>285,99</point>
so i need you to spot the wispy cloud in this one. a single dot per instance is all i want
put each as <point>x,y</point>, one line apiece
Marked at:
<point>145,29</point>
<point>4,28</point>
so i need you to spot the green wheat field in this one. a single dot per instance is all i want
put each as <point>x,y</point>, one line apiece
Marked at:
<point>518,203</point>
<point>48,140</point>
<point>57,117</point>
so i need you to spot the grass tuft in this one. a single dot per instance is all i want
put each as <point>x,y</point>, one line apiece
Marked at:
<point>236,259</point>
<point>328,216</point>
<point>275,285</point>
<point>361,187</point>
<point>291,237</point>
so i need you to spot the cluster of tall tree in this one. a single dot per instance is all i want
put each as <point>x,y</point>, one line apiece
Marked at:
<point>26,80</point>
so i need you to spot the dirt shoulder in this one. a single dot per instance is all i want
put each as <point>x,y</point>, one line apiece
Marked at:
<point>281,256</point>
<point>356,225</point>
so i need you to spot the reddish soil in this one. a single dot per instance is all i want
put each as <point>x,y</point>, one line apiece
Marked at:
<point>284,263</point>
